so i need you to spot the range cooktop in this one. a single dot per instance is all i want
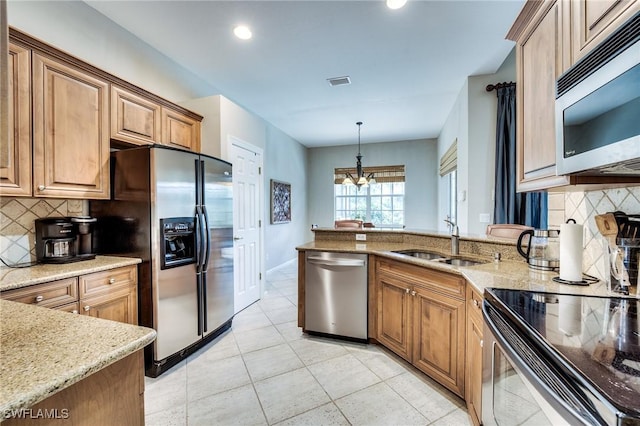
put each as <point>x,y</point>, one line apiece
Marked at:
<point>596,337</point>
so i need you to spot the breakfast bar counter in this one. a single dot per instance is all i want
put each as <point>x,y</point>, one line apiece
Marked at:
<point>63,366</point>
<point>512,273</point>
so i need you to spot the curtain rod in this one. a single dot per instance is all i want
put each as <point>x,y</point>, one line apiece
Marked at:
<point>491,87</point>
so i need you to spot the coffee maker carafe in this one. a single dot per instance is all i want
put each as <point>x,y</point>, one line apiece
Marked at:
<point>543,249</point>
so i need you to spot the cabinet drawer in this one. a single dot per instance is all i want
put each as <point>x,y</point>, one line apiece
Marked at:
<point>108,281</point>
<point>441,282</point>
<point>48,295</point>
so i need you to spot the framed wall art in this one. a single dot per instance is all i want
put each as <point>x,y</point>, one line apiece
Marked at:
<point>280,202</point>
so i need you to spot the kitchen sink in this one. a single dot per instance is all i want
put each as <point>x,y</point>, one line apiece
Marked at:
<point>421,254</point>
<point>461,262</point>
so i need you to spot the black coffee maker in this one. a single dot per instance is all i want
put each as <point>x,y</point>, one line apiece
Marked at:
<point>64,239</point>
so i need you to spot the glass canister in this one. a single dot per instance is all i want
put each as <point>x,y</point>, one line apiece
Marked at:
<point>545,249</point>
<point>624,265</point>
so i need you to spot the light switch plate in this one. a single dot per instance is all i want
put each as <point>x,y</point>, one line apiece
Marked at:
<point>485,218</point>
<point>361,237</point>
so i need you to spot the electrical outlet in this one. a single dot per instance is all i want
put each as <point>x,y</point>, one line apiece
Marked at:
<point>361,237</point>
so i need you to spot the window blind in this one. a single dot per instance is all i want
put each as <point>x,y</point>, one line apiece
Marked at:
<point>382,174</point>
<point>449,161</point>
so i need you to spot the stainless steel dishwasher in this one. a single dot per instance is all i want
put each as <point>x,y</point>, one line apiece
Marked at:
<point>335,297</point>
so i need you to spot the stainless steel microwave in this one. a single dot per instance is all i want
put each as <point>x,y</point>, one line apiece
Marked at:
<point>598,108</point>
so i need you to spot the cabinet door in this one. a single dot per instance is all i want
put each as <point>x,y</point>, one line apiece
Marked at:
<point>539,59</point>
<point>393,316</point>
<point>180,131</point>
<point>70,132</point>
<point>594,20</point>
<point>473,373</point>
<point>111,294</point>
<point>438,338</point>
<point>119,306</point>
<point>134,119</point>
<point>15,151</point>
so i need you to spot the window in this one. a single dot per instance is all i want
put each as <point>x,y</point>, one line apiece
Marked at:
<point>381,203</point>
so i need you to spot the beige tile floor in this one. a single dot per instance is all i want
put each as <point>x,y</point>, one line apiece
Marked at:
<point>265,371</point>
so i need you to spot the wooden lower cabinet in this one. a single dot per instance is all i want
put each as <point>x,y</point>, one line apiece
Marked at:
<point>438,337</point>
<point>421,317</point>
<point>110,294</point>
<point>394,314</point>
<point>113,395</point>
<point>116,307</point>
<point>473,375</point>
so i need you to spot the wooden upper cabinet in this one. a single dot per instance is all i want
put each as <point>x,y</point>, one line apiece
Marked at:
<point>70,132</point>
<point>540,59</point>
<point>180,130</point>
<point>134,119</point>
<point>15,151</point>
<point>594,20</point>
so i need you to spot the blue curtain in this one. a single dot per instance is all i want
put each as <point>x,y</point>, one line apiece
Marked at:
<point>510,206</point>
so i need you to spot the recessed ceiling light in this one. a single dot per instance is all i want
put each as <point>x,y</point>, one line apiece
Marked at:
<point>396,4</point>
<point>242,32</point>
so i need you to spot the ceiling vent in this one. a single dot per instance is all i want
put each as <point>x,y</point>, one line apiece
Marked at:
<point>339,81</point>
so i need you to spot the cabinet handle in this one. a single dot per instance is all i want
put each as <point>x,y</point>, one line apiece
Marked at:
<point>112,280</point>
<point>475,303</point>
<point>406,290</point>
<point>41,187</point>
<point>39,299</point>
<point>86,308</point>
<point>413,293</point>
<point>481,343</point>
<point>75,311</point>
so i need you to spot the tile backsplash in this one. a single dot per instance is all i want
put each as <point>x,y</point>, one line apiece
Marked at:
<point>17,216</point>
<point>583,207</point>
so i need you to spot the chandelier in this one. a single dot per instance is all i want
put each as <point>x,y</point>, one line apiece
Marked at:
<point>360,179</point>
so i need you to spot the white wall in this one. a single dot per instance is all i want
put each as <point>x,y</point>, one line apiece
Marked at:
<point>421,166</point>
<point>286,161</point>
<point>224,119</point>
<point>472,121</point>
<point>80,30</point>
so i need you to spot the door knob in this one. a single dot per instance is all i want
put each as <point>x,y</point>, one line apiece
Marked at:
<point>237,238</point>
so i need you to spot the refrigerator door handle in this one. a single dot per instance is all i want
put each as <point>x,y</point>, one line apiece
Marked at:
<point>199,241</point>
<point>207,239</point>
<point>204,302</point>
<point>201,311</point>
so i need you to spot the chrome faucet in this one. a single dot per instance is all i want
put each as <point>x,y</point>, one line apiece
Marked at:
<point>455,238</point>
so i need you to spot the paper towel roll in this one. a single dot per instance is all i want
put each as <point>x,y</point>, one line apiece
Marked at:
<point>571,252</point>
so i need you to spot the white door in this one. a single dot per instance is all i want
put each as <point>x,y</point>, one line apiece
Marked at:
<point>247,189</point>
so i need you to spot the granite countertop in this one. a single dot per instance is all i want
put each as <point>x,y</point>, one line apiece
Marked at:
<point>43,351</point>
<point>12,278</point>
<point>503,274</point>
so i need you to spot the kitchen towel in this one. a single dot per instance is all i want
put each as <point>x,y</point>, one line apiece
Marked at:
<point>571,252</point>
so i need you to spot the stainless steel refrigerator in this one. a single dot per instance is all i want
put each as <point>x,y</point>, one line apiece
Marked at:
<point>174,210</point>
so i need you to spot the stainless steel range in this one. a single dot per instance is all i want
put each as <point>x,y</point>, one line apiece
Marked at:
<point>560,359</point>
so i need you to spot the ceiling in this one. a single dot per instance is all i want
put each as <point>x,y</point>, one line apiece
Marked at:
<point>406,66</point>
